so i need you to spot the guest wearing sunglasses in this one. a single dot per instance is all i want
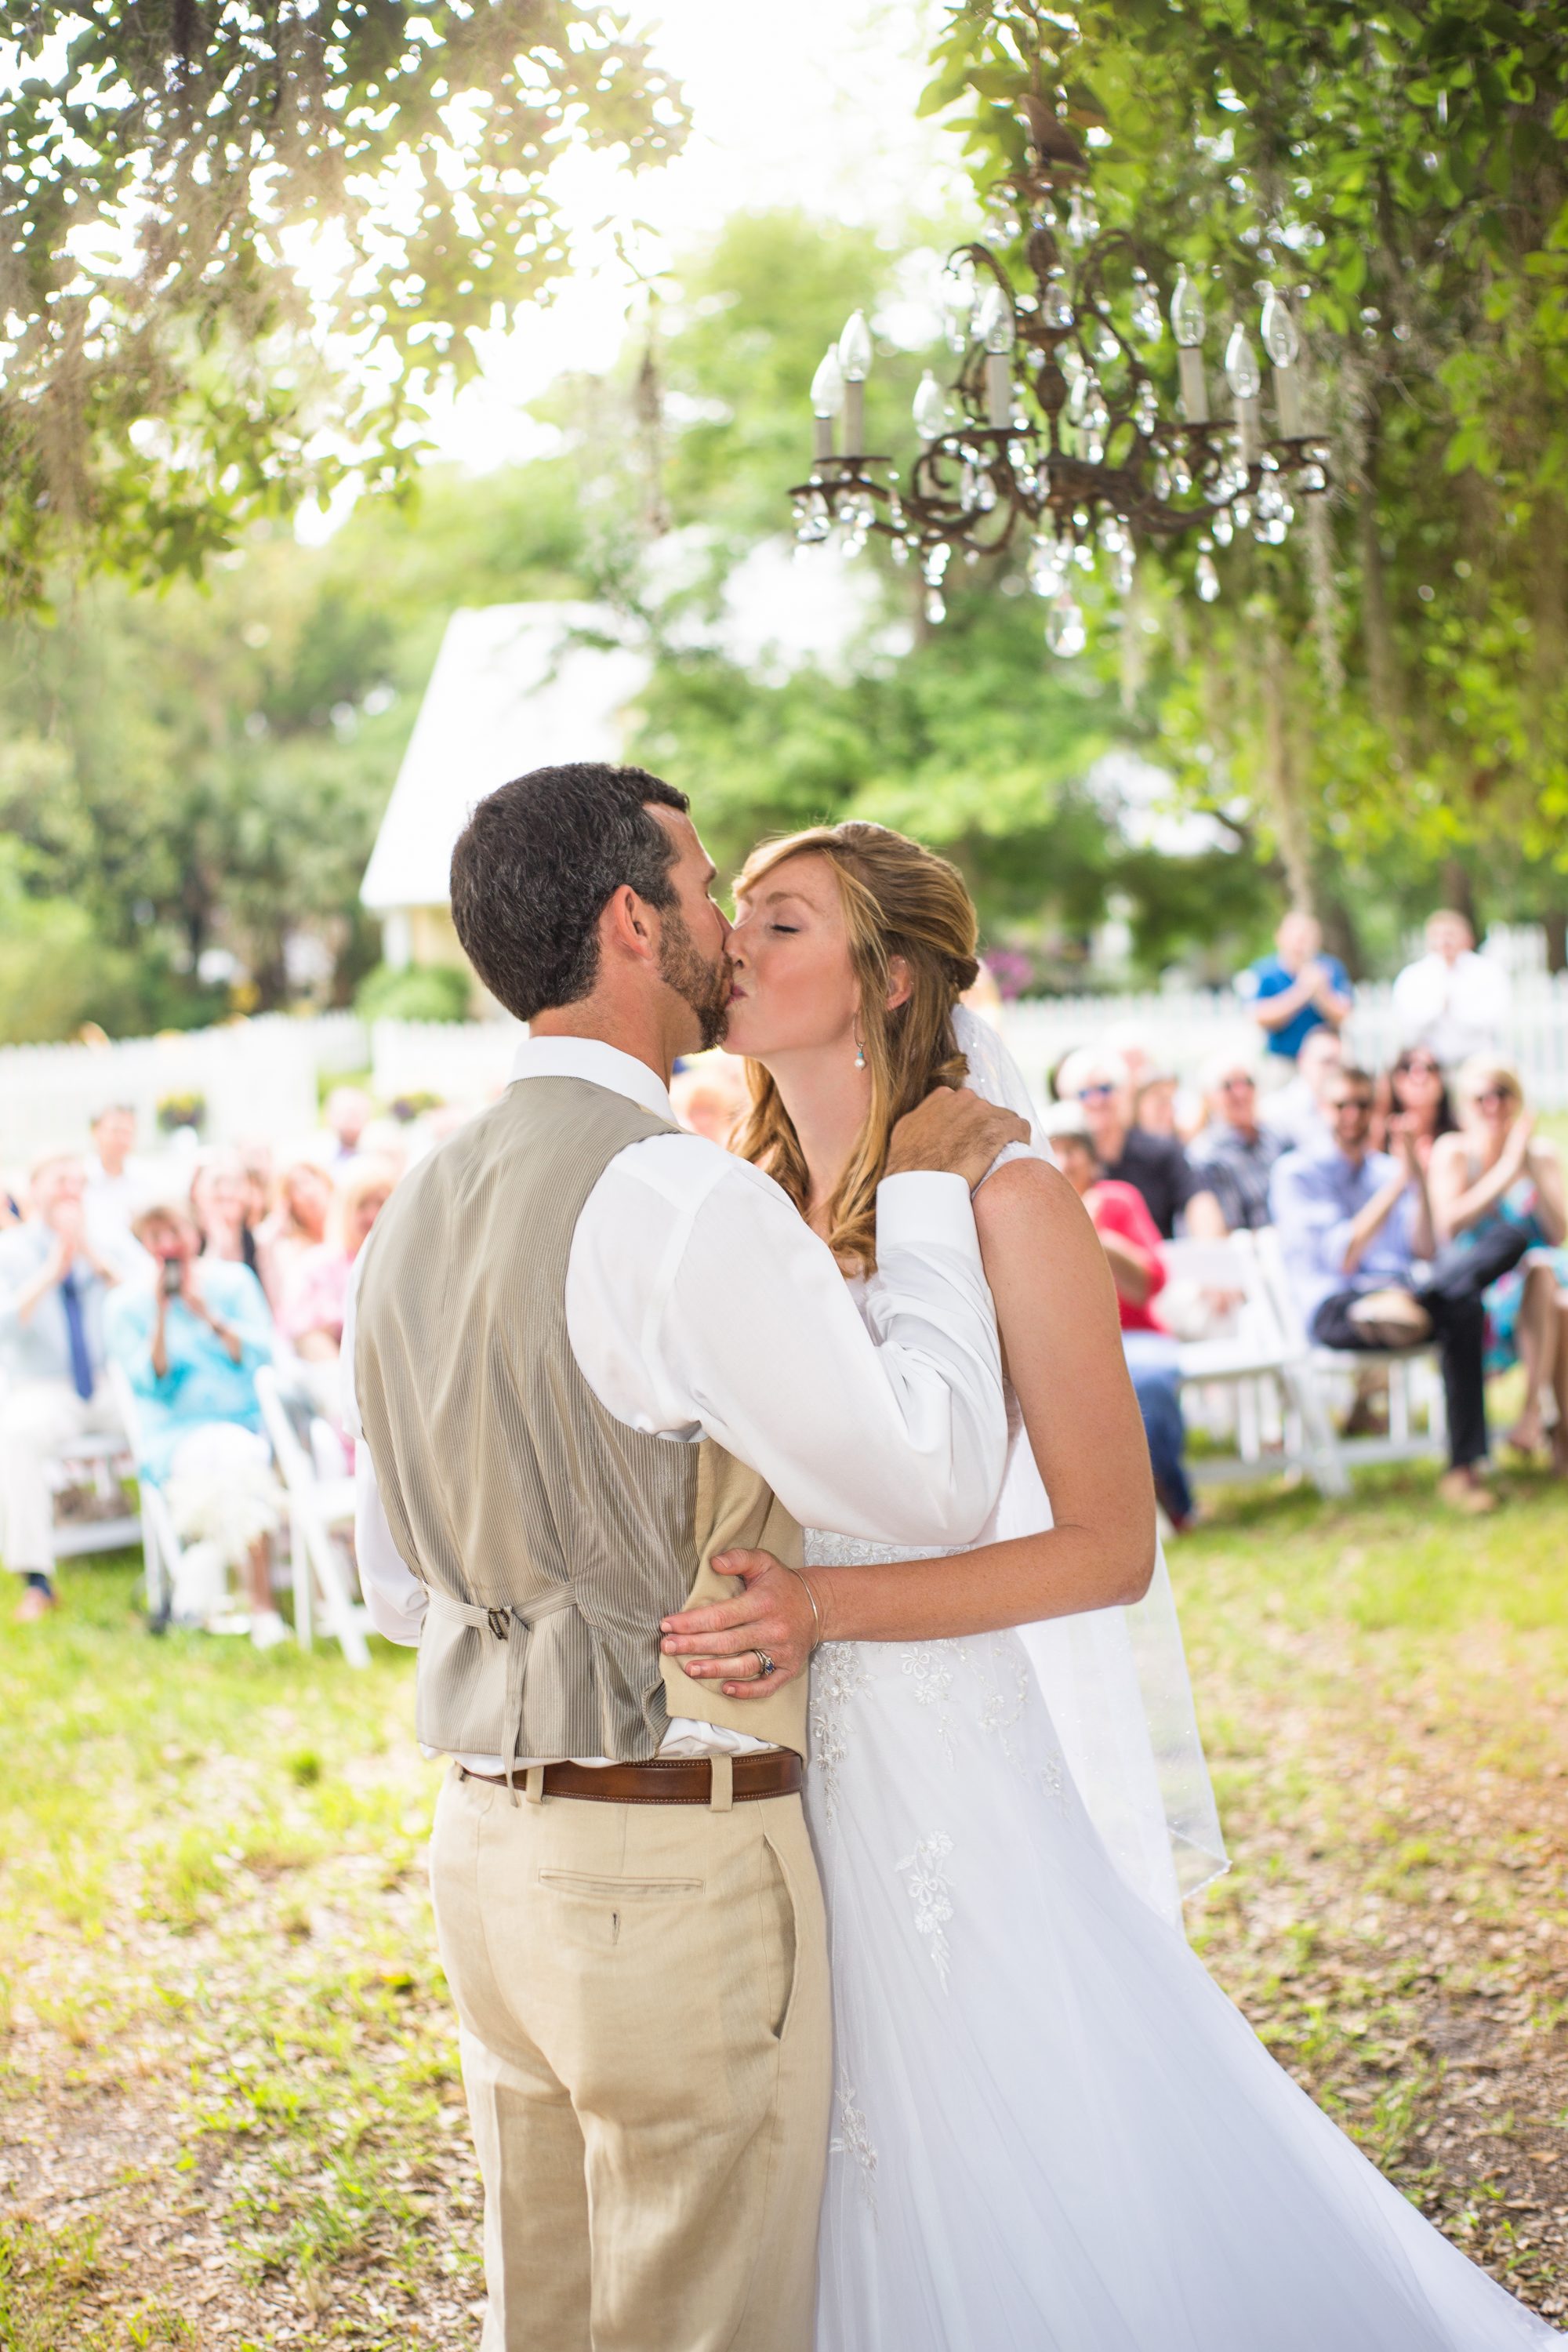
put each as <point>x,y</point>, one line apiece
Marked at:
<point>1233,1154</point>
<point>1362,1247</point>
<point>1154,1165</point>
<point>1416,1091</point>
<point>1496,1175</point>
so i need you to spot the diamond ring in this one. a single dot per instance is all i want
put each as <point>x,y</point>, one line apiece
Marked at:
<point>765,1667</point>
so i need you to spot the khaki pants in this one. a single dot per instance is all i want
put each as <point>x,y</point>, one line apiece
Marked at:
<point>37,1419</point>
<point>646,2038</point>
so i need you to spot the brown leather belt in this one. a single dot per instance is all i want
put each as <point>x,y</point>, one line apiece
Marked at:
<point>666,1779</point>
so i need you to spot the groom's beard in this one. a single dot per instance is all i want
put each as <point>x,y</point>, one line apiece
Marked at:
<point>705,987</point>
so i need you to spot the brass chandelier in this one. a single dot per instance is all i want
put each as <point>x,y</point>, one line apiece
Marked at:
<point>1054,430</point>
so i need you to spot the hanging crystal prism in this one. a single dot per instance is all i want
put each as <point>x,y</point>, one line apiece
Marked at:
<point>1065,631</point>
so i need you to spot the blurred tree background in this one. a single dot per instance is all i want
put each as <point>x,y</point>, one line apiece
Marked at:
<point>1374,717</point>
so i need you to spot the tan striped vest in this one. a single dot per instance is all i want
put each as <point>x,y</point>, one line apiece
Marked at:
<point>551,1537</point>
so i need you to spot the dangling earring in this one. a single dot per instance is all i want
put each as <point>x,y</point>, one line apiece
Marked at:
<point>859,1052</point>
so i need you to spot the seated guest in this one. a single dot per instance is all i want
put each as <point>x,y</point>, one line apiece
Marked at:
<point>348,1112</point>
<point>709,1096</point>
<point>1154,1165</point>
<point>1415,1090</point>
<point>316,1291</point>
<point>56,1275</point>
<point>1353,1222</point>
<point>1131,1241</point>
<point>1298,989</point>
<point>1495,1170</point>
<point>1233,1154</point>
<point>298,1223</point>
<point>220,1197</point>
<point>117,1181</point>
<point>1155,1103</point>
<point>191,1337</point>
<point>1297,1112</point>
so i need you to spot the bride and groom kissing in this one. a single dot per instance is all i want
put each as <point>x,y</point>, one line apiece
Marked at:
<point>885,2055</point>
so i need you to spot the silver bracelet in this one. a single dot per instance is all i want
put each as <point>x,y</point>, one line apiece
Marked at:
<point>815,1612</point>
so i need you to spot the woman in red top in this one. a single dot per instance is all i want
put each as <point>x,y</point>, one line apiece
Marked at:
<point>1130,1240</point>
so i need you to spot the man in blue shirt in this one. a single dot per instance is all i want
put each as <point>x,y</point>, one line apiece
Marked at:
<point>1353,1225</point>
<point>1296,990</point>
<point>56,1274</point>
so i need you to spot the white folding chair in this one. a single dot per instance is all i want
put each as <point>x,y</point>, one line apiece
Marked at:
<point>319,1509</point>
<point>1279,1419</point>
<point>161,1546</point>
<point>1413,1382</point>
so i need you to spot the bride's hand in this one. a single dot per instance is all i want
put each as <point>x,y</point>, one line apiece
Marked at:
<point>773,1619</point>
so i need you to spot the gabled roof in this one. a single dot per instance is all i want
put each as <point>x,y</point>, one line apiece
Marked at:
<point>509,691</point>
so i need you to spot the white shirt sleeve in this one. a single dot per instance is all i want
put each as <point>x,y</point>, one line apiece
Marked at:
<point>698,1302</point>
<point>393,1596</point>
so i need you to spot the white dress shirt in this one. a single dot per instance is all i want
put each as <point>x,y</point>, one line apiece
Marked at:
<point>700,1303</point>
<point>1453,1009</point>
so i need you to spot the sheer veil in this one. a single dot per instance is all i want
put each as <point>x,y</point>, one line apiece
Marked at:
<point>1115,1680</point>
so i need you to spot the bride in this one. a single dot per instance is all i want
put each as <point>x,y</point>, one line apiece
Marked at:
<point>1052,2131</point>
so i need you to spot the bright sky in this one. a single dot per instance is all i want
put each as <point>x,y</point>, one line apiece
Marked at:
<point>811,105</point>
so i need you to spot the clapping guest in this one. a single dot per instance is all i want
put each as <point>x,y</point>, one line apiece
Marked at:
<point>315,1295</point>
<point>56,1275</point>
<point>1451,999</point>
<point>1353,1224</point>
<point>191,1337</point>
<point>1130,1240</point>
<point>297,1223</point>
<point>1298,1112</point>
<point>220,1200</point>
<point>1414,1091</point>
<point>1496,1173</point>
<point>1154,1165</point>
<point>1298,989</point>
<point>1235,1153</point>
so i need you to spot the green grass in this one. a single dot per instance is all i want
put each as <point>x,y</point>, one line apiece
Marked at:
<point>222,2023</point>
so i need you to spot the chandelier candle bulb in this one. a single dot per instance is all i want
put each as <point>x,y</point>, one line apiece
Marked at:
<point>998,388</point>
<point>1283,345</point>
<point>855,361</point>
<point>827,400</point>
<point>1194,391</point>
<point>929,408</point>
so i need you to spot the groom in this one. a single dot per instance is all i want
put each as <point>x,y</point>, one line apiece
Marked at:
<point>590,1352</point>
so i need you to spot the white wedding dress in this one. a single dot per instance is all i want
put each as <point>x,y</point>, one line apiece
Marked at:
<point>1052,2131</point>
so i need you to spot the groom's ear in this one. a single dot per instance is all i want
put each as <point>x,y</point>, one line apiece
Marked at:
<point>624,926</point>
<point>900,986</point>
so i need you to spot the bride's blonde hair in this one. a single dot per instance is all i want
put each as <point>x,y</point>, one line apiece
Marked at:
<point>899,900</point>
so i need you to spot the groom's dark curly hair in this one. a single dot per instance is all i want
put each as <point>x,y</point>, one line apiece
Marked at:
<point>536,865</point>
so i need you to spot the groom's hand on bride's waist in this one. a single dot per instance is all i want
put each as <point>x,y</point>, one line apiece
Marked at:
<point>771,1622</point>
<point>955,1132</point>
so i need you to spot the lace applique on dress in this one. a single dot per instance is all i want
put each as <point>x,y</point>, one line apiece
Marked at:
<point>1005,1706</point>
<point>837,1677</point>
<point>854,2139</point>
<point>928,1890</point>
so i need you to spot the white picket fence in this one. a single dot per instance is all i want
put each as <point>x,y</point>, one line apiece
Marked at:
<point>261,1078</point>
<point>1182,1027</point>
<point>257,1078</point>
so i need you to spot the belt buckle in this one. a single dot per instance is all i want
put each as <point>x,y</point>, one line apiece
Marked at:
<point>501,1623</point>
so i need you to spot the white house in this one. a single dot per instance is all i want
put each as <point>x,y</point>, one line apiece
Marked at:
<point>515,686</point>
